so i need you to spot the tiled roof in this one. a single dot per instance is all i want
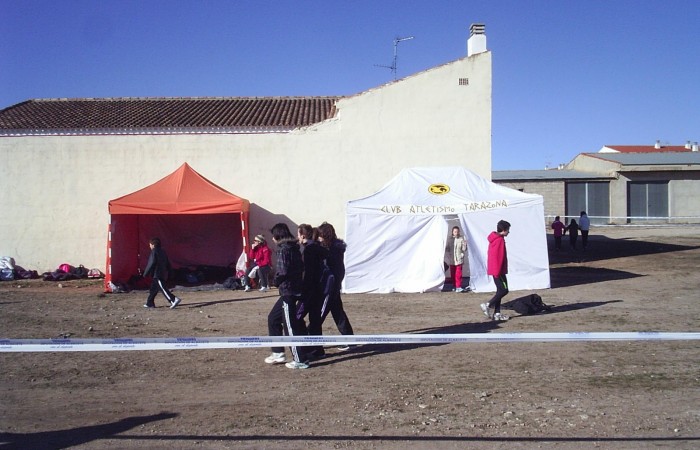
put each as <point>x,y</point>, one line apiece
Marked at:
<point>647,148</point>
<point>188,115</point>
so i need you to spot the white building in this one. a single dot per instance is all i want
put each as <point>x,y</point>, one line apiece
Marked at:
<point>295,159</point>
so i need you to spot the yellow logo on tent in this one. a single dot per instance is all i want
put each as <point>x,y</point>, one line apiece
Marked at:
<point>438,189</point>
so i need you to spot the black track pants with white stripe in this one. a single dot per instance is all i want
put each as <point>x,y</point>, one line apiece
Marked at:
<point>156,287</point>
<point>283,320</point>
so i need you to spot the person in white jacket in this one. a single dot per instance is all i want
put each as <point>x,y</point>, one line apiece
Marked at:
<point>584,225</point>
<point>454,250</point>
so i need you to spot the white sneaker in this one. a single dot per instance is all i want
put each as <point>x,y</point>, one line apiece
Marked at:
<point>175,302</point>
<point>485,309</point>
<point>297,365</point>
<point>276,358</point>
<point>264,289</point>
<point>500,317</point>
<point>459,290</point>
<point>247,289</point>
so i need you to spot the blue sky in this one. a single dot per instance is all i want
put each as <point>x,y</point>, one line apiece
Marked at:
<point>568,76</point>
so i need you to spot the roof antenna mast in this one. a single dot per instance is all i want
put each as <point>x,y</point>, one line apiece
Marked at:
<point>396,45</point>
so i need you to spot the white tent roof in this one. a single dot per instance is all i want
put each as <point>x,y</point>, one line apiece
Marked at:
<point>396,237</point>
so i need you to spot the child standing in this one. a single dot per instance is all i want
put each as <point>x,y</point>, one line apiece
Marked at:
<point>158,267</point>
<point>497,267</point>
<point>456,246</point>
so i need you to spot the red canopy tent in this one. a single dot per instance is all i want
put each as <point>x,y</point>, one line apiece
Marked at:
<point>198,223</point>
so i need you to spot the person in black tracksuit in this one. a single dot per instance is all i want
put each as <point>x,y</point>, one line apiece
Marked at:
<point>314,256</point>
<point>288,279</point>
<point>158,267</point>
<point>336,261</point>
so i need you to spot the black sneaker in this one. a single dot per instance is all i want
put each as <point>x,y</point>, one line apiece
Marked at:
<point>316,355</point>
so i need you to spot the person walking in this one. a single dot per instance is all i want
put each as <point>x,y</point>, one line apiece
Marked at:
<point>584,224</point>
<point>456,246</point>
<point>158,267</point>
<point>282,318</point>
<point>314,256</point>
<point>572,228</point>
<point>333,304</point>
<point>497,267</point>
<point>558,228</point>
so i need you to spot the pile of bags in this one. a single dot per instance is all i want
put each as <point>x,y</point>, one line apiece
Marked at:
<point>10,271</point>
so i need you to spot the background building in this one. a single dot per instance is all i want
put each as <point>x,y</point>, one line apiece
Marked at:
<point>619,184</point>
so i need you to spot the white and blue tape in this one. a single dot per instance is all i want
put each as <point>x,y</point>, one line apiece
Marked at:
<point>192,343</point>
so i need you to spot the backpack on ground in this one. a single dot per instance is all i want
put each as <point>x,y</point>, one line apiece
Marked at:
<point>528,305</point>
<point>80,271</point>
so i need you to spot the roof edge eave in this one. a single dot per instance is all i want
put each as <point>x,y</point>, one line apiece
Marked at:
<point>144,131</point>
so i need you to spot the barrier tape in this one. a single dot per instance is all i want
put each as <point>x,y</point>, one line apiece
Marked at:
<point>192,343</point>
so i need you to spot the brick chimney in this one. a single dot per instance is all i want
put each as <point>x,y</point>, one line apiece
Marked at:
<point>477,39</point>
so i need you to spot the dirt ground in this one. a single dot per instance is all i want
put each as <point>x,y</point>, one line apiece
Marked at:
<point>480,395</point>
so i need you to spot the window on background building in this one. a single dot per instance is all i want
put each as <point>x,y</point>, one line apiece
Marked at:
<point>592,197</point>
<point>647,200</point>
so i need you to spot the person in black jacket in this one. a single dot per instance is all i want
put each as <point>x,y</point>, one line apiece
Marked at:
<point>314,256</point>
<point>288,279</point>
<point>336,261</point>
<point>572,228</point>
<point>158,267</point>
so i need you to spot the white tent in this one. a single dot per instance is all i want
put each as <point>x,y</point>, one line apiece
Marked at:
<point>396,237</point>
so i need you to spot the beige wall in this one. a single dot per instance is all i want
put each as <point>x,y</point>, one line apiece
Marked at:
<point>683,194</point>
<point>553,193</point>
<point>56,188</point>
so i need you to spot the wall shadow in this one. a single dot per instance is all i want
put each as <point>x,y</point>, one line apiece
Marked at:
<point>573,276</point>
<point>262,220</point>
<point>578,306</point>
<point>603,247</point>
<point>76,436</point>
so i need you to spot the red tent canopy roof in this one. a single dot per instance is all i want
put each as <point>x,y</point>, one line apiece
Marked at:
<point>182,192</point>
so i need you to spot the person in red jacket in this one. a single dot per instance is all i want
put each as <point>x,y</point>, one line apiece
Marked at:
<point>558,228</point>
<point>497,267</point>
<point>261,262</point>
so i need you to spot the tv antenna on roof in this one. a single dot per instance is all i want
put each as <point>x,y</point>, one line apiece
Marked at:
<point>396,45</point>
